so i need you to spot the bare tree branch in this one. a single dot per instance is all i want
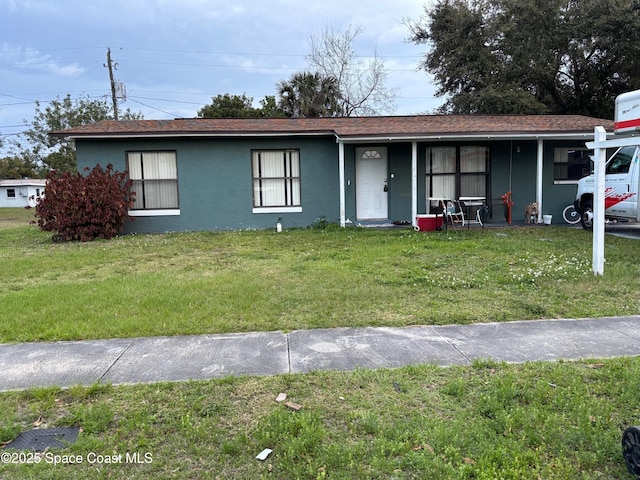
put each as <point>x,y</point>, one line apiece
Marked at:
<point>361,80</point>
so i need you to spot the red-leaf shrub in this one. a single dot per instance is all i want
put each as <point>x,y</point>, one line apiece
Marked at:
<point>84,208</point>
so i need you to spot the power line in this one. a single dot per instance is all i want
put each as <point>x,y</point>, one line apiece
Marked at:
<point>225,65</point>
<point>34,50</point>
<point>165,100</point>
<point>20,96</point>
<point>199,52</point>
<point>213,65</point>
<point>157,58</point>
<point>154,108</point>
<point>28,101</point>
<point>18,103</point>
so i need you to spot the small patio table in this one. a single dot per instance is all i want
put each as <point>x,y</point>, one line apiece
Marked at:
<point>469,203</point>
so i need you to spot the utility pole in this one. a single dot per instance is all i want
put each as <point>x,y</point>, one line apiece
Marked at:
<point>113,84</point>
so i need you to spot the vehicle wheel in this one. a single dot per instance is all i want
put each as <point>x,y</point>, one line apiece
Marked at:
<point>631,449</point>
<point>571,215</point>
<point>586,216</point>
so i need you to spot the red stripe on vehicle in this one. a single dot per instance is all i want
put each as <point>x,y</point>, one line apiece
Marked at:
<point>627,124</point>
<point>611,199</point>
<point>610,202</point>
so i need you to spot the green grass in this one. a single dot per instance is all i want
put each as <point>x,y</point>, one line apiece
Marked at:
<point>15,217</point>
<point>220,282</point>
<point>486,421</point>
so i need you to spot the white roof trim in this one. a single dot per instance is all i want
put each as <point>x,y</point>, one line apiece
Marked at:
<point>355,138</point>
<point>458,137</point>
<point>31,182</point>
<point>200,135</point>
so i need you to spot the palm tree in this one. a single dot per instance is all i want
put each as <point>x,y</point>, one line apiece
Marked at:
<point>308,94</point>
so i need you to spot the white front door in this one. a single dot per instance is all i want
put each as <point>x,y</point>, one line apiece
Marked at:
<point>371,183</point>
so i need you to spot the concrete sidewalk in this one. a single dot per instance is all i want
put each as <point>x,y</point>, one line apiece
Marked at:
<point>145,360</point>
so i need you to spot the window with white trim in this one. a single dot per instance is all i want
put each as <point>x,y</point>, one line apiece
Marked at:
<point>454,172</point>
<point>155,180</point>
<point>11,193</point>
<point>276,179</point>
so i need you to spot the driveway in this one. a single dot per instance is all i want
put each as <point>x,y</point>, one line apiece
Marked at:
<point>627,230</point>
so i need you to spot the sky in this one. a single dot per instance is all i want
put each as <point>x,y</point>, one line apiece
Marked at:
<point>174,56</point>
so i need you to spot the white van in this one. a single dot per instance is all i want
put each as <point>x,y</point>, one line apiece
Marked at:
<point>622,170</point>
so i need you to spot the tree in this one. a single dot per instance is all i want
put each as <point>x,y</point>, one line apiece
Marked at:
<point>270,108</point>
<point>37,147</point>
<point>240,106</point>
<point>360,81</point>
<point>15,167</point>
<point>229,106</point>
<point>524,56</point>
<point>309,94</point>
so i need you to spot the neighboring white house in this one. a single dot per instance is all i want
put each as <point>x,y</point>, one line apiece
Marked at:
<point>18,193</point>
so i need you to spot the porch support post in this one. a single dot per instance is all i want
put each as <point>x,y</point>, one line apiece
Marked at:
<point>343,211</point>
<point>540,153</point>
<point>414,183</point>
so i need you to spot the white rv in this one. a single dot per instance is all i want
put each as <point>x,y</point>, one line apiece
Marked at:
<point>622,169</point>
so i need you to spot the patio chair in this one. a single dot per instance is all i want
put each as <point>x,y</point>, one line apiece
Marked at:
<point>455,212</point>
<point>482,215</point>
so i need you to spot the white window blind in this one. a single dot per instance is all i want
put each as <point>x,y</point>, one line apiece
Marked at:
<point>473,167</point>
<point>276,178</point>
<point>473,159</point>
<point>452,172</point>
<point>441,172</point>
<point>155,179</point>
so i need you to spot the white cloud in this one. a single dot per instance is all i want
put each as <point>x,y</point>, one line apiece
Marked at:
<point>70,70</point>
<point>21,58</point>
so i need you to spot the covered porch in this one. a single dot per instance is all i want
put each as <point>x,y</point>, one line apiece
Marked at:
<point>390,181</point>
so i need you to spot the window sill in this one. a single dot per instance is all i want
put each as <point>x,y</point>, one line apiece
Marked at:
<point>154,213</point>
<point>276,210</point>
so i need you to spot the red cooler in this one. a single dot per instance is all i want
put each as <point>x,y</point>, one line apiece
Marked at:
<point>428,223</point>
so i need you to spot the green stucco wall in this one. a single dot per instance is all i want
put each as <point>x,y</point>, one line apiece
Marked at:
<point>556,196</point>
<point>215,183</point>
<point>514,167</point>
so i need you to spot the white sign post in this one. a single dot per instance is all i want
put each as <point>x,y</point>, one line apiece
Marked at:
<point>599,162</point>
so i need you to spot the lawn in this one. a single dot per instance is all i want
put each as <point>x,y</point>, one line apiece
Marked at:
<point>15,217</point>
<point>220,282</point>
<point>486,421</point>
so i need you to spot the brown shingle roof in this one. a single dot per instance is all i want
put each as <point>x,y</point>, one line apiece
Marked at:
<point>345,127</point>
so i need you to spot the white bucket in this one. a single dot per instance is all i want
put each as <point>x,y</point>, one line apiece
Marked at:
<point>546,219</point>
